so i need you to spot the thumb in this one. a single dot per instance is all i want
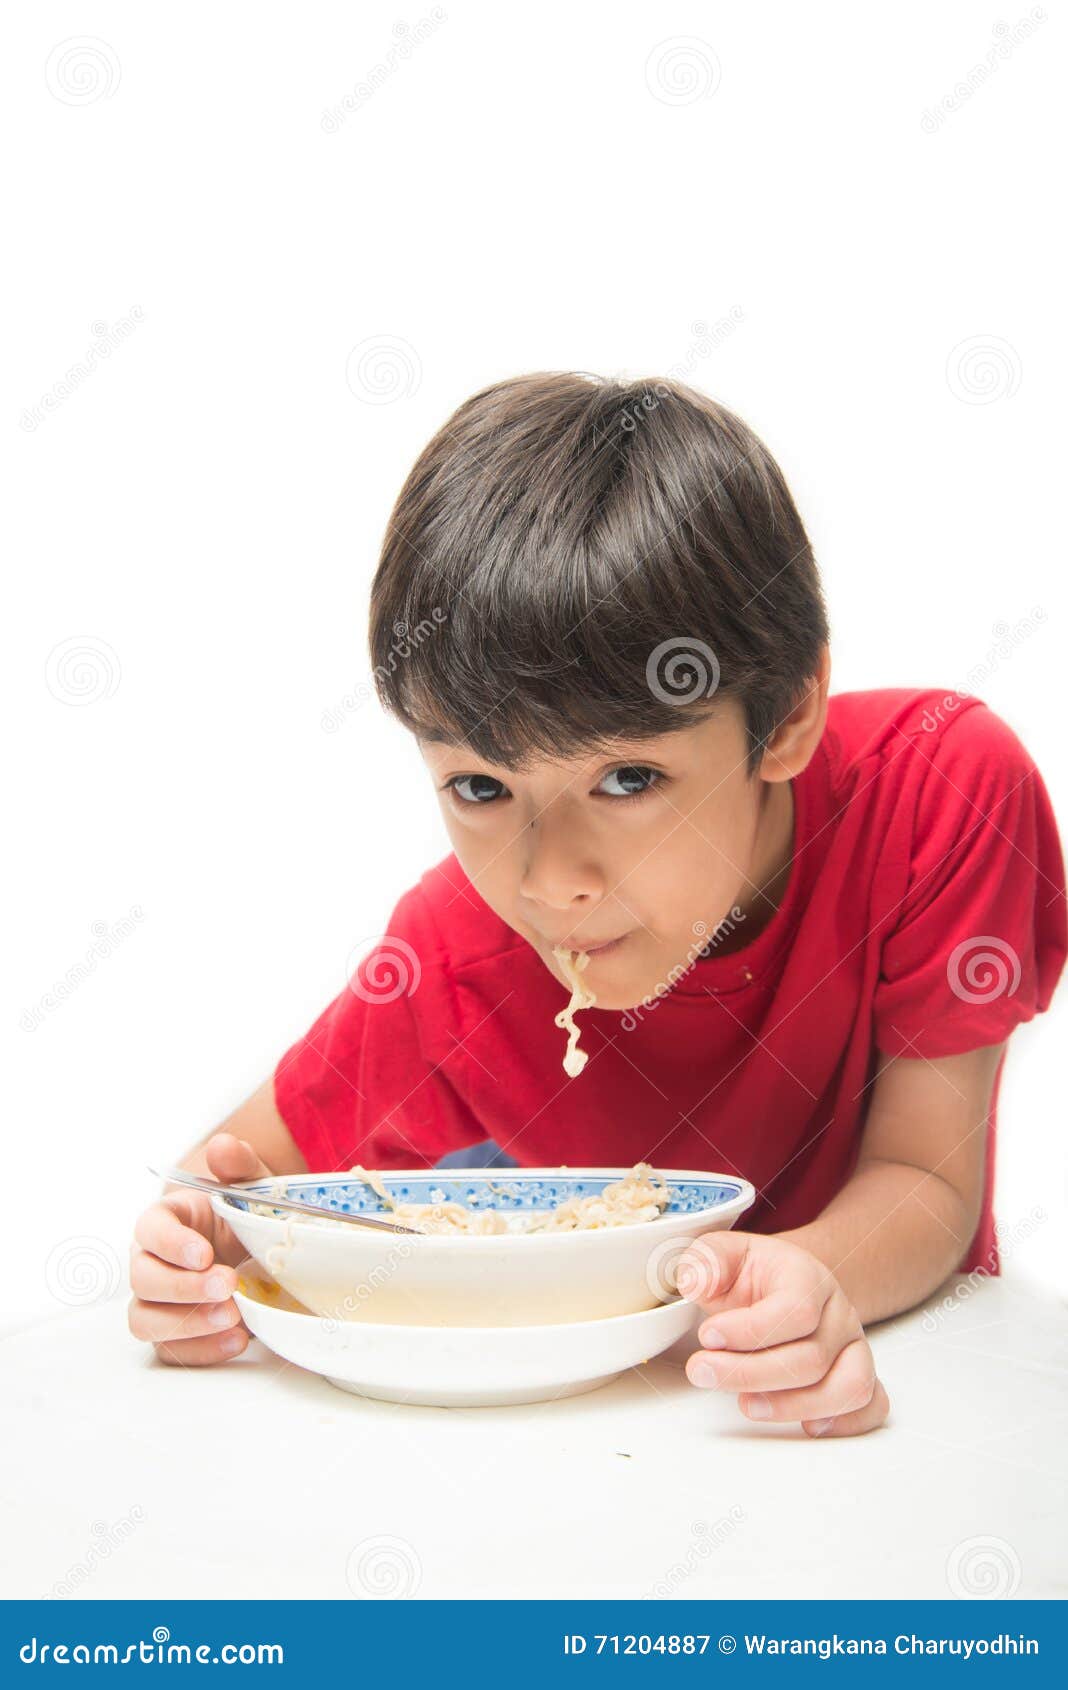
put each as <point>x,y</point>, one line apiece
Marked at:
<point>231,1159</point>
<point>711,1266</point>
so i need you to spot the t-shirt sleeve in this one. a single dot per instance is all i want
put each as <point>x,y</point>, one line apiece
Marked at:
<point>369,1082</point>
<point>978,940</point>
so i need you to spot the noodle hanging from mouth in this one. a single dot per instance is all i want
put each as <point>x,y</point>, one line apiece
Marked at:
<point>581,998</point>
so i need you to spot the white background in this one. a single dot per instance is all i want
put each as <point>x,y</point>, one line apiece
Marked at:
<point>526,190</point>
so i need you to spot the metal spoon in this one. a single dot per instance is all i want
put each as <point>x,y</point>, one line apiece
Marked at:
<point>181,1176</point>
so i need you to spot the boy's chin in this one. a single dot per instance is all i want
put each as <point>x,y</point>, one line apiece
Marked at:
<point>619,996</point>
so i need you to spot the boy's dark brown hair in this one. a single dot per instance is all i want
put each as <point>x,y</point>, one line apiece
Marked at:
<point>574,560</point>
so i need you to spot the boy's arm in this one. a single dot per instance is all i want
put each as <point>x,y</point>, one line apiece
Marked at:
<point>904,1220</point>
<point>258,1123</point>
<point>786,1311</point>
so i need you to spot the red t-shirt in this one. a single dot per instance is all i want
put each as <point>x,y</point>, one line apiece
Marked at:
<point>924,840</point>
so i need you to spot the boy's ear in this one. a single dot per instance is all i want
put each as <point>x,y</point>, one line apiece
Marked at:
<point>791,747</point>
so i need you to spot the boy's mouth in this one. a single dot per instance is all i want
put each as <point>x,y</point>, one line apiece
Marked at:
<point>601,950</point>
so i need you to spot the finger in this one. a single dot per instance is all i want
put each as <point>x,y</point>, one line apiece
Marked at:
<point>711,1266</point>
<point>204,1352</point>
<point>174,1230</point>
<point>230,1159</point>
<point>866,1419</point>
<point>848,1387</point>
<point>781,1366</point>
<point>781,1317</point>
<point>749,1288</point>
<point>156,1281</point>
<point>156,1323</point>
<point>760,1290</point>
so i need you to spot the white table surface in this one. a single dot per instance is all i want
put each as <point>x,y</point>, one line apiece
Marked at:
<point>125,1478</point>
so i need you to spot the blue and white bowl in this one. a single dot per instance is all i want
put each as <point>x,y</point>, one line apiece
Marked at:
<point>348,1273</point>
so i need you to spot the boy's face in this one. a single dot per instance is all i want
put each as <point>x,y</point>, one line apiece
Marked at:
<point>647,847</point>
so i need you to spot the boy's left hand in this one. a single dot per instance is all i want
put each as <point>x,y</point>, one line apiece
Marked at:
<point>779,1330</point>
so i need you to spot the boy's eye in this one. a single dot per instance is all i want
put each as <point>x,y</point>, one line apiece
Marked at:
<point>634,779</point>
<point>483,788</point>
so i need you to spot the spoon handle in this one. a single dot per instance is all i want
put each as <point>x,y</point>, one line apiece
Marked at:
<point>181,1176</point>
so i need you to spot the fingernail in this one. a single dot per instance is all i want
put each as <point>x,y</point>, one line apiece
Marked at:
<point>818,1427</point>
<point>711,1338</point>
<point>758,1408</point>
<point>704,1374</point>
<point>216,1288</point>
<point>193,1255</point>
<point>233,1342</point>
<point>222,1315</point>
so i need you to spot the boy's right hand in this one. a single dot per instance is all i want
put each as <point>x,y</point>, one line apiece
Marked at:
<point>182,1267</point>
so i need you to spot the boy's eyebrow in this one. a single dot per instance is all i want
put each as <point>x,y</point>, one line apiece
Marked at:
<point>627,751</point>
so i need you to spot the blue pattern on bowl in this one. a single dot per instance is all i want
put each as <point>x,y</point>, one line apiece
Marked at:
<point>505,1191</point>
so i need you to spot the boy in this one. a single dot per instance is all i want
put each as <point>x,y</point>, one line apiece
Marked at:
<point>811,923</point>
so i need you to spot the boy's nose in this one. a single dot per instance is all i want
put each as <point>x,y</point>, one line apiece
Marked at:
<point>558,874</point>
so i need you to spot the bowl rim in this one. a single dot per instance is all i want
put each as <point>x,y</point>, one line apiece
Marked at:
<point>743,1199</point>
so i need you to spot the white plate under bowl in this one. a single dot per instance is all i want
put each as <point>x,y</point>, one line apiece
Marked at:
<point>358,1275</point>
<point>463,1366</point>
